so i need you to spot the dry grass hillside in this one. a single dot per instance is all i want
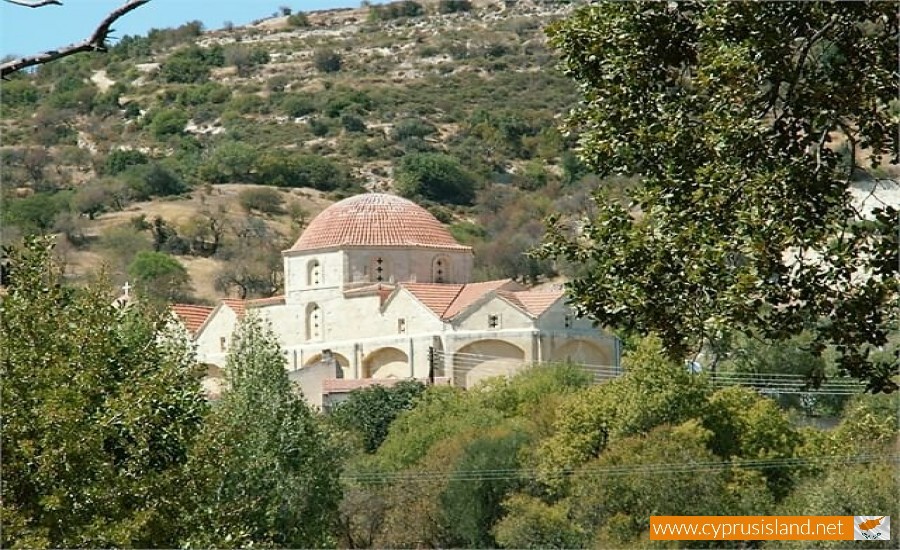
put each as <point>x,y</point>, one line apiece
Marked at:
<point>137,149</point>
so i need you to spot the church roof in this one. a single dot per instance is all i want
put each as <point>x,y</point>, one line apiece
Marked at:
<point>192,316</point>
<point>535,302</point>
<point>448,301</point>
<point>375,219</point>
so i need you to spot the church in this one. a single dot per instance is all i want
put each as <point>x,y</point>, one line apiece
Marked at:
<point>377,290</point>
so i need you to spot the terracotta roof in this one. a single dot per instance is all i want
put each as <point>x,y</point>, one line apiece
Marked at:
<point>436,297</point>
<point>270,301</point>
<point>532,301</point>
<point>239,306</point>
<point>448,301</point>
<point>192,316</point>
<point>376,219</point>
<point>473,292</point>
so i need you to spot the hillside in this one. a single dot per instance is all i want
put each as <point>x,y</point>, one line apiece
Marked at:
<point>173,124</point>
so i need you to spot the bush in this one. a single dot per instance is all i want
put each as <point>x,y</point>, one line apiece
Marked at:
<point>395,10</point>
<point>153,180</point>
<point>296,105</point>
<point>454,6</point>
<point>229,162</point>
<point>168,122</point>
<point>412,127</point>
<point>121,159</point>
<point>327,61</point>
<point>298,19</point>
<point>244,58</point>
<point>159,276</point>
<point>352,123</point>
<point>262,199</point>
<point>286,169</point>
<point>434,176</point>
<point>191,64</point>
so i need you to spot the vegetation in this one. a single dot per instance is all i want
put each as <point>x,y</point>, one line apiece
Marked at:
<point>741,165</point>
<point>107,413</point>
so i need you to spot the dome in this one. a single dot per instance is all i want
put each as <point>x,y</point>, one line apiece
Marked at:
<point>375,219</point>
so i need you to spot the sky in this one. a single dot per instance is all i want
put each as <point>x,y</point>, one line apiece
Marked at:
<point>25,31</point>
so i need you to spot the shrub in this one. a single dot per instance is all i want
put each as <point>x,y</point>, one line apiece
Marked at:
<point>191,64</point>
<point>168,122</point>
<point>296,105</point>
<point>434,176</point>
<point>159,276</point>
<point>395,10</point>
<point>149,180</point>
<point>262,199</point>
<point>352,123</point>
<point>121,159</point>
<point>327,60</point>
<point>298,19</point>
<point>454,6</point>
<point>287,169</point>
<point>412,127</point>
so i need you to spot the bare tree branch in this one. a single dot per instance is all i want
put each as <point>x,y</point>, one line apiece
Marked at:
<point>35,4</point>
<point>95,43</point>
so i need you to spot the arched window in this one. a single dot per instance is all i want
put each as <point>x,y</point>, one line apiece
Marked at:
<point>440,269</point>
<point>313,273</point>
<point>313,322</point>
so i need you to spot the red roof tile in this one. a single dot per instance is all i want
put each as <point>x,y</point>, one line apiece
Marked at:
<point>192,316</point>
<point>448,301</point>
<point>533,301</point>
<point>239,306</point>
<point>436,297</point>
<point>376,219</point>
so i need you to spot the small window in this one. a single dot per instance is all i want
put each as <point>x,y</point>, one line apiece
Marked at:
<point>401,326</point>
<point>222,343</point>
<point>379,269</point>
<point>567,321</point>
<point>493,321</point>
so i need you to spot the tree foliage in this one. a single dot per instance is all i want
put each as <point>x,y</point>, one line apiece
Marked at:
<point>434,176</point>
<point>733,115</point>
<point>99,412</point>
<point>267,471</point>
<point>370,411</point>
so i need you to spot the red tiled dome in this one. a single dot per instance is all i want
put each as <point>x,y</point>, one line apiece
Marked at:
<point>375,219</point>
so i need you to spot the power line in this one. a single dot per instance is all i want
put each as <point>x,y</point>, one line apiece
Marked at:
<point>777,383</point>
<point>615,471</point>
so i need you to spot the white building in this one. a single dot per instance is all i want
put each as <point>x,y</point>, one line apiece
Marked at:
<point>378,288</point>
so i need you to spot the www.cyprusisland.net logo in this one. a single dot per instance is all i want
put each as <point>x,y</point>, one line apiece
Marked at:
<point>871,527</point>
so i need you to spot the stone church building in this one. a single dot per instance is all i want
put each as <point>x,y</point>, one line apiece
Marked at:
<point>377,290</point>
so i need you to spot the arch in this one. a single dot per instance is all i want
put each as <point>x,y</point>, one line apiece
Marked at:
<point>583,352</point>
<point>386,363</point>
<point>341,360</point>
<point>440,269</point>
<point>313,322</point>
<point>313,273</point>
<point>484,359</point>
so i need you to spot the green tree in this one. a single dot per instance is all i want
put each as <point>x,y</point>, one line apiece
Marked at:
<point>653,391</point>
<point>229,162</point>
<point>262,199</point>
<point>99,411</point>
<point>267,472</point>
<point>121,159</point>
<point>732,114</point>
<point>159,276</point>
<point>369,412</point>
<point>168,122</point>
<point>434,176</point>
<point>531,523</point>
